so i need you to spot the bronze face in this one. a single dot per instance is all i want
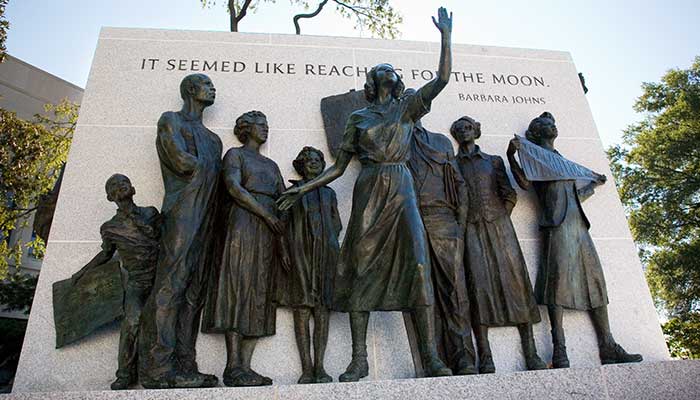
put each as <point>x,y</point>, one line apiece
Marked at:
<point>204,91</point>
<point>259,131</point>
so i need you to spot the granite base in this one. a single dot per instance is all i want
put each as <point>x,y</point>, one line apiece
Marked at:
<point>669,379</point>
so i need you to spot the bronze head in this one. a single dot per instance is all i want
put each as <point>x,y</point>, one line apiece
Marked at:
<point>542,128</point>
<point>465,128</point>
<point>118,187</point>
<point>198,87</point>
<point>251,125</point>
<point>383,75</point>
<point>309,162</point>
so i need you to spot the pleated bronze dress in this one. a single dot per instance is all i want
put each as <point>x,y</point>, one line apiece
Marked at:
<point>384,262</point>
<point>498,278</point>
<point>242,293</point>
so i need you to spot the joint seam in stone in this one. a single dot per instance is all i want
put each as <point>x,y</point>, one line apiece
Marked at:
<point>457,53</point>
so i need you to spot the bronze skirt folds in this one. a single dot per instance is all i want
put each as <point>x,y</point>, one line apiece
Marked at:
<point>499,284</point>
<point>312,231</point>
<point>570,272</point>
<point>384,261</point>
<point>242,296</point>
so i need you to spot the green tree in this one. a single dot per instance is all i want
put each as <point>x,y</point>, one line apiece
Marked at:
<point>378,16</point>
<point>658,173</point>
<point>4,27</point>
<point>17,292</point>
<point>31,156</point>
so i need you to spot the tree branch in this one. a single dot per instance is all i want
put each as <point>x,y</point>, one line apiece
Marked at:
<point>313,14</point>
<point>244,9</point>
<point>24,211</point>
<point>685,175</point>
<point>242,13</point>
<point>355,10</point>
<point>232,16</point>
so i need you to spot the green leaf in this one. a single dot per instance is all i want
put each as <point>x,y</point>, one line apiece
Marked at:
<point>657,169</point>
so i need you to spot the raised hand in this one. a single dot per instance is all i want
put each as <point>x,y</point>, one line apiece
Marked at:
<point>513,146</point>
<point>443,23</point>
<point>601,179</point>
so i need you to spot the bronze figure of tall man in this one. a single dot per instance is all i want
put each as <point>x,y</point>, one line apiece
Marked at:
<point>384,263</point>
<point>190,162</point>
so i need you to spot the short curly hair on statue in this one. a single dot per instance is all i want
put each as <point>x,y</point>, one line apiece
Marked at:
<point>244,123</point>
<point>371,84</point>
<point>471,121</point>
<point>534,130</point>
<point>303,155</point>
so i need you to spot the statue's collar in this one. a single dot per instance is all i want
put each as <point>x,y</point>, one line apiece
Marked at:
<point>477,152</point>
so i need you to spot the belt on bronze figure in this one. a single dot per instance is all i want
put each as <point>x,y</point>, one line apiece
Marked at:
<point>272,196</point>
<point>370,163</point>
<point>428,211</point>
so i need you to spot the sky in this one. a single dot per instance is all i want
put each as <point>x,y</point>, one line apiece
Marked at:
<point>616,44</point>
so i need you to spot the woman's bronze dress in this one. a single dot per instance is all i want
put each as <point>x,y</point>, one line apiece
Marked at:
<point>384,262</point>
<point>313,226</point>
<point>570,274</point>
<point>243,287</point>
<point>499,283</point>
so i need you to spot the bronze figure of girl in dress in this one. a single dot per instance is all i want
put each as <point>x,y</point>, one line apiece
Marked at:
<point>499,284</point>
<point>570,274</point>
<point>384,263</point>
<point>313,226</point>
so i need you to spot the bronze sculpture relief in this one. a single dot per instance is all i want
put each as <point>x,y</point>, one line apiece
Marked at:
<point>133,232</point>
<point>335,111</point>
<point>190,161</point>
<point>429,235</point>
<point>440,187</point>
<point>241,297</point>
<point>384,262</point>
<point>313,227</point>
<point>98,298</point>
<point>570,274</point>
<point>498,279</point>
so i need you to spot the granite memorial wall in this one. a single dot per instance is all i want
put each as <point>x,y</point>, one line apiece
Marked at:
<point>135,77</point>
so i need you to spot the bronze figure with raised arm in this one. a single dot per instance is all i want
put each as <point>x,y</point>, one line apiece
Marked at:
<point>384,262</point>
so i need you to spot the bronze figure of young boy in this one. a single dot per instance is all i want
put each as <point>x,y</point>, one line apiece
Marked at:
<point>443,207</point>
<point>133,232</point>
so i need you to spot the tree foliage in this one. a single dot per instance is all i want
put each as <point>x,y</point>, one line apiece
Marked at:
<point>17,292</point>
<point>4,27</point>
<point>12,333</point>
<point>682,336</point>
<point>658,172</point>
<point>31,155</point>
<point>377,16</point>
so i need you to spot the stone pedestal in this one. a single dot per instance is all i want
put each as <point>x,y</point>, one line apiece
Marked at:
<point>135,76</point>
<point>647,381</point>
